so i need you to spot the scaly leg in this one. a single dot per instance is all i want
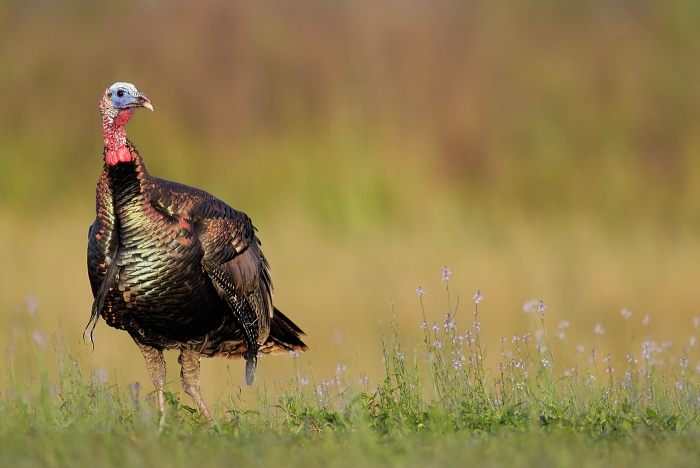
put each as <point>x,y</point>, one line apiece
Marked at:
<point>189,360</point>
<point>155,362</point>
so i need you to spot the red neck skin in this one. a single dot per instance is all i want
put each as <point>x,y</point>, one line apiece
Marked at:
<point>115,137</point>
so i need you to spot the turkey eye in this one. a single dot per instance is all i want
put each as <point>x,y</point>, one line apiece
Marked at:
<point>120,93</point>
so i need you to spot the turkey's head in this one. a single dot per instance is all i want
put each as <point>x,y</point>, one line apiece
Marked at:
<point>117,105</point>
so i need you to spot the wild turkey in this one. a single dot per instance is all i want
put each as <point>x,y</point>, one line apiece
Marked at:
<point>176,267</point>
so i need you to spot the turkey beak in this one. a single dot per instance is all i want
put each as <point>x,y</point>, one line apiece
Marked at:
<point>144,101</point>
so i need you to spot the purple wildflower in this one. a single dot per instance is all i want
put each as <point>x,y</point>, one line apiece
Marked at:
<point>446,274</point>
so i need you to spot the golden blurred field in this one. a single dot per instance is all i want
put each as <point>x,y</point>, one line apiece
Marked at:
<point>542,150</point>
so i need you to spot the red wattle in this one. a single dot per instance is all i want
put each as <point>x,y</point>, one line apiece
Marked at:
<point>123,154</point>
<point>123,117</point>
<point>111,158</point>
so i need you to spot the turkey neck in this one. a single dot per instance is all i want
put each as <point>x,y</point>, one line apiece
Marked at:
<point>130,183</point>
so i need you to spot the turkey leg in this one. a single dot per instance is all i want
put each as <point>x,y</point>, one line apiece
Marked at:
<point>155,363</point>
<point>189,360</point>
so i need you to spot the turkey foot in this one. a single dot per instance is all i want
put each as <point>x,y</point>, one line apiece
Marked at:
<point>155,363</point>
<point>189,360</point>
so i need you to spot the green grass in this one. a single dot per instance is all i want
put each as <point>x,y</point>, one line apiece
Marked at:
<point>437,404</point>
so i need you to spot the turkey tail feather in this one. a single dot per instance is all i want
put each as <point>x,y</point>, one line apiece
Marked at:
<point>285,335</point>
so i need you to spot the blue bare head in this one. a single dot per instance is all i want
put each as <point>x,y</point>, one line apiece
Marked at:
<point>126,96</point>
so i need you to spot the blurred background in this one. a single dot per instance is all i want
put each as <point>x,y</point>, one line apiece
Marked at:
<point>540,150</point>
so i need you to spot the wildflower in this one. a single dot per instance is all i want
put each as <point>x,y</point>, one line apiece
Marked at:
<point>340,368</point>
<point>478,297</point>
<point>477,326</point>
<point>32,303</point>
<point>446,274</point>
<point>645,321</point>
<point>529,306</point>
<point>424,325</point>
<point>304,380</point>
<point>609,370</point>
<point>594,353</point>
<point>293,354</point>
<point>693,341</point>
<point>39,338</point>
<point>501,367</point>
<point>563,324</point>
<point>364,380</point>
<point>436,328</point>
<point>696,322</point>
<point>539,334</point>
<point>541,308</point>
<point>420,291</point>
<point>683,362</point>
<point>626,314</point>
<point>515,339</point>
<point>101,375</point>
<point>400,355</point>
<point>437,344</point>
<point>137,386</point>
<point>599,330</point>
<point>457,364</point>
<point>650,350</point>
<point>607,358</point>
<point>526,338</point>
<point>449,324</point>
<point>560,335</point>
<point>545,362</point>
<point>503,339</point>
